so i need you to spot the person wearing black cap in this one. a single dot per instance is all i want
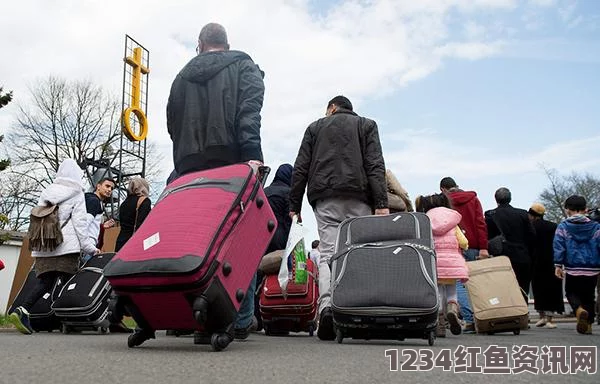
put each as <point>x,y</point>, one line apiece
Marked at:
<point>577,260</point>
<point>547,288</point>
<point>341,160</point>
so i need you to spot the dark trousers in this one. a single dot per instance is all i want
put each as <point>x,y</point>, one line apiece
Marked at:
<point>581,292</point>
<point>523,274</point>
<point>259,278</point>
<point>45,283</point>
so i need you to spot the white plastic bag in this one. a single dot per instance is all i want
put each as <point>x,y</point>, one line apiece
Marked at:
<point>296,236</point>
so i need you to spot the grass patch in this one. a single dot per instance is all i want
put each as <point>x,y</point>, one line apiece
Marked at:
<point>4,323</point>
<point>129,322</point>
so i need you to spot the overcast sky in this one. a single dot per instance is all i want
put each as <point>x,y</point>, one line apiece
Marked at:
<point>481,90</point>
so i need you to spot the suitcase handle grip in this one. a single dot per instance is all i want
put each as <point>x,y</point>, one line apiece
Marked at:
<point>263,173</point>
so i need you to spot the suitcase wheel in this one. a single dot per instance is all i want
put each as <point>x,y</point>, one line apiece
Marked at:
<point>431,338</point>
<point>102,330</point>
<point>65,329</point>
<point>339,336</point>
<point>200,307</point>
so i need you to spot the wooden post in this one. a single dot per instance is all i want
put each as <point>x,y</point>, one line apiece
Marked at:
<point>23,267</point>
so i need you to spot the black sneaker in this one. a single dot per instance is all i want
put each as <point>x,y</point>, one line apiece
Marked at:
<point>243,333</point>
<point>20,319</point>
<point>325,330</point>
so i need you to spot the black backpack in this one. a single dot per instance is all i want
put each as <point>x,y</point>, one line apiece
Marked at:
<point>45,231</point>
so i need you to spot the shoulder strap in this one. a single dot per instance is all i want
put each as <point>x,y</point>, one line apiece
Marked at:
<point>68,218</point>
<point>139,202</point>
<point>498,225</point>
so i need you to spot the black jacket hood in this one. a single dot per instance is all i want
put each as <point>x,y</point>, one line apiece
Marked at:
<point>207,65</point>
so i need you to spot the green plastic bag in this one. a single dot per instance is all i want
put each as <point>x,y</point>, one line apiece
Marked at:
<point>299,254</point>
<point>297,251</point>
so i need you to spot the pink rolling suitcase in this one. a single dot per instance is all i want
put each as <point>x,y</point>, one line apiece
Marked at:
<point>190,263</point>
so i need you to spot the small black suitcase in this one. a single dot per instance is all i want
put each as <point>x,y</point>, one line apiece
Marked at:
<point>83,301</point>
<point>383,278</point>
<point>41,315</point>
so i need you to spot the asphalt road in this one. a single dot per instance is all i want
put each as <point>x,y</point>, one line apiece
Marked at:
<point>91,358</point>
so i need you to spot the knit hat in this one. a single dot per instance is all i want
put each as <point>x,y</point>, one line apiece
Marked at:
<point>537,209</point>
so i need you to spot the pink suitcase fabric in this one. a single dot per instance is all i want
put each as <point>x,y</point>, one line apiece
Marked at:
<point>203,239</point>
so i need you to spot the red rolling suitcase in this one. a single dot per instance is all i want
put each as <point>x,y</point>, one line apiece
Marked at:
<point>190,263</point>
<point>295,313</point>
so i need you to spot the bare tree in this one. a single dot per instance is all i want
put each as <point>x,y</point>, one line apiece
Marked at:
<point>5,98</point>
<point>65,119</point>
<point>18,196</point>
<point>561,187</point>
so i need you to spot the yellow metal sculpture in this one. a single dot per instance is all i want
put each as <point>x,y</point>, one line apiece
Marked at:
<point>136,91</point>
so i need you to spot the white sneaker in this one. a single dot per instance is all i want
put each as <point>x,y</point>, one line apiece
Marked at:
<point>542,322</point>
<point>550,325</point>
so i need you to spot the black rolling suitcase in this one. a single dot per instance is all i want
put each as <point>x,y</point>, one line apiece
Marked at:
<point>41,315</point>
<point>383,278</point>
<point>83,301</point>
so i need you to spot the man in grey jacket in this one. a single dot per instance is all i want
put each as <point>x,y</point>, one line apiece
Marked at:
<point>341,160</point>
<point>213,118</point>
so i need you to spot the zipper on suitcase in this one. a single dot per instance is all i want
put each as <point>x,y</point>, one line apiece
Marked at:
<point>201,181</point>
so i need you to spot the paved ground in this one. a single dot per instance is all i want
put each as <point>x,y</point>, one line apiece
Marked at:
<point>90,358</point>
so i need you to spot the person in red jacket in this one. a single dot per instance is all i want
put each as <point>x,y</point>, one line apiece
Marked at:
<point>473,225</point>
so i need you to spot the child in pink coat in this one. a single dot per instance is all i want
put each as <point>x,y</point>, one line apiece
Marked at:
<point>451,266</point>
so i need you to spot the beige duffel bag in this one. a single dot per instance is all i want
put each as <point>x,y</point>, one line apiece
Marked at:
<point>270,263</point>
<point>398,199</point>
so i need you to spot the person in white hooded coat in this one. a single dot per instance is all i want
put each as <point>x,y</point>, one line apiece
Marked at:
<point>67,192</point>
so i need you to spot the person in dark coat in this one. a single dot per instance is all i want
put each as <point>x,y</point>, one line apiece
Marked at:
<point>134,210</point>
<point>213,111</point>
<point>278,195</point>
<point>519,234</point>
<point>214,120</point>
<point>132,213</point>
<point>341,161</point>
<point>547,288</point>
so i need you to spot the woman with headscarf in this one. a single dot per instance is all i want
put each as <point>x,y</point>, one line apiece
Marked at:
<point>61,263</point>
<point>134,210</point>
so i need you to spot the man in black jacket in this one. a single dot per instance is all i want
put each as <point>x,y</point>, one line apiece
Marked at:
<point>341,160</point>
<point>519,233</point>
<point>213,112</point>
<point>213,118</point>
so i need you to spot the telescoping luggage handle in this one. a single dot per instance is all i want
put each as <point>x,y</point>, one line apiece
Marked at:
<point>263,174</point>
